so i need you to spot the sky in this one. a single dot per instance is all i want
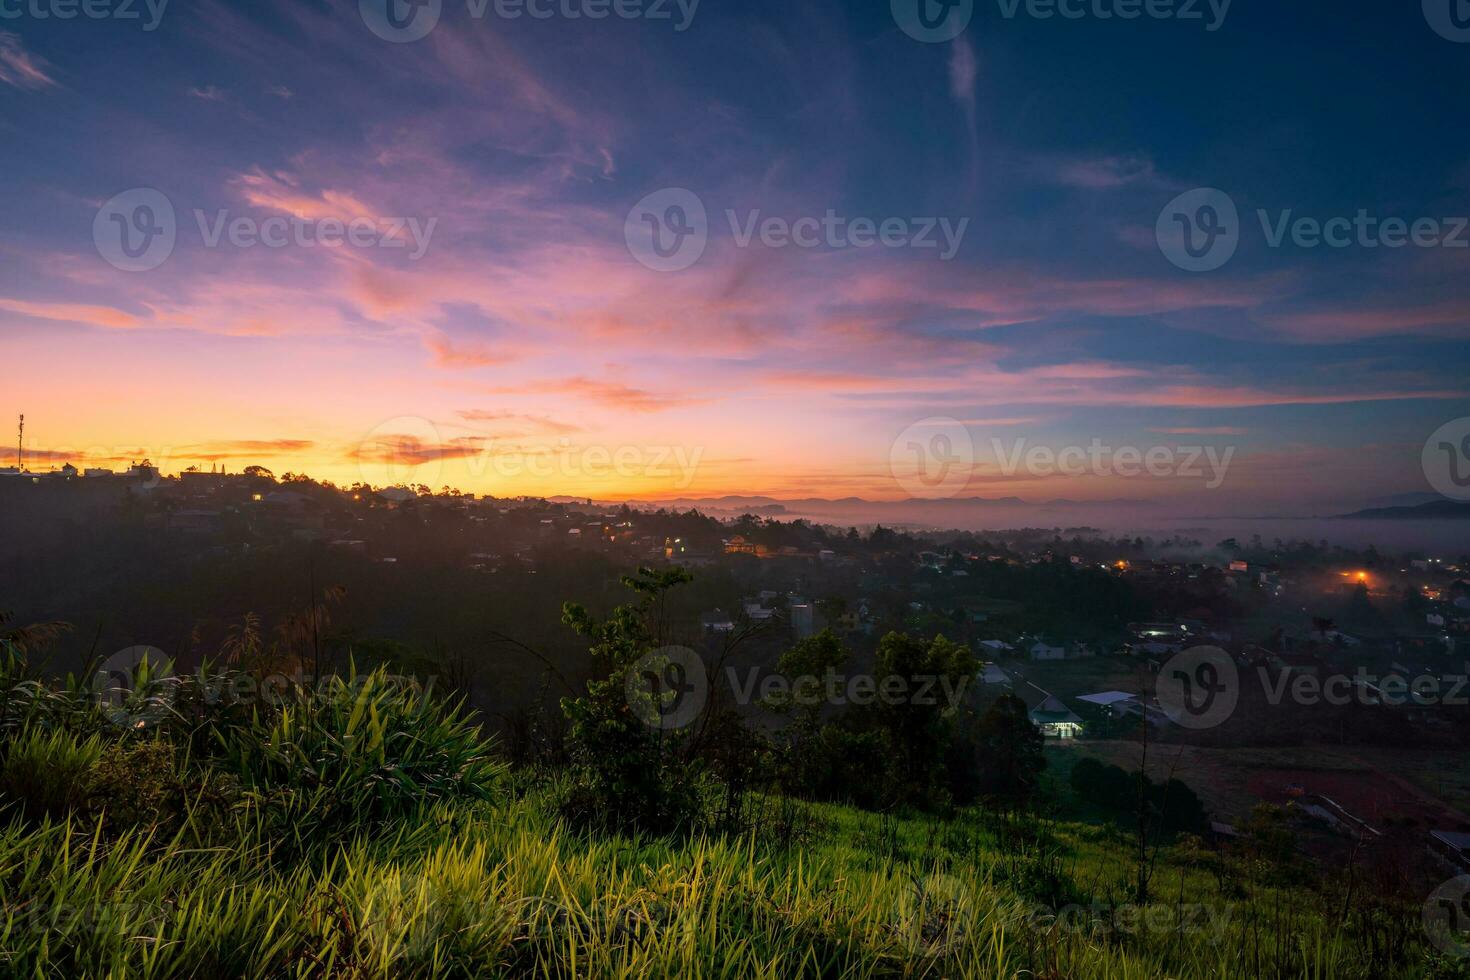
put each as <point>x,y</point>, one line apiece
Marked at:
<point>503,320</point>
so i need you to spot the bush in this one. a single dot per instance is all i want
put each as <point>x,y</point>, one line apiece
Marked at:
<point>1173,806</point>
<point>136,784</point>
<point>47,774</point>
<point>359,752</point>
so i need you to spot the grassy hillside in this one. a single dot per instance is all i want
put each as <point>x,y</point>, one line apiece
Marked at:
<point>364,830</point>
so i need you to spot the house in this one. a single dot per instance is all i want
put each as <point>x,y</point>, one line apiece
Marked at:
<point>1157,716</point>
<point>758,613</point>
<point>1121,704</point>
<point>1336,816</point>
<point>992,674</point>
<point>738,545</point>
<point>717,621</point>
<point>1041,650</point>
<point>1055,719</point>
<point>1451,848</point>
<point>1048,713</point>
<point>1222,833</point>
<point>997,646</point>
<point>802,620</point>
<point>1109,700</point>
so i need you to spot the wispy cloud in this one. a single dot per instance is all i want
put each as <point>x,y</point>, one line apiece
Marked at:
<point>1101,173</point>
<point>542,423</point>
<point>20,68</point>
<point>609,393</point>
<point>407,450</point>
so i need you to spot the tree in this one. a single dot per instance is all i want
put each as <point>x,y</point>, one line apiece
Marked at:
<point>625,771</point>
<point>809,765</point>
<point>1011,759</point>
<point>918,720</point>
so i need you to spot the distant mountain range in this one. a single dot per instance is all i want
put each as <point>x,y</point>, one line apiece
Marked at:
<point>1436,510</point>
<point>959,512</point>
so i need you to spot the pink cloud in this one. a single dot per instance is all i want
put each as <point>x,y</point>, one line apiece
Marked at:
<point>20,68</point>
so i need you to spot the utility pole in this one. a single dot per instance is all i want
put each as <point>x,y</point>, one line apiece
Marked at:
<point>20,445</point>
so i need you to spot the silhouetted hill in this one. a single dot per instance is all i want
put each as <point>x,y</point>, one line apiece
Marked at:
<point>1437,510</point>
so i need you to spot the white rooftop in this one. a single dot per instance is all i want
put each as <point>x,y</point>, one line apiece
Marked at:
<point>1108,698</point>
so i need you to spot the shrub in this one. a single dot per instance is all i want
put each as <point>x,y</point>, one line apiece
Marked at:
<point>357,752</point>
<point>46,774</point>
<point>136,784</point>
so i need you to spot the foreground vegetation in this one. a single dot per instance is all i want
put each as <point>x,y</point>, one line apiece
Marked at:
<point>362,828</point>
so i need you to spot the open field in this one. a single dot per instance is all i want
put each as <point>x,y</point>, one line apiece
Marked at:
<point>1379,785</point>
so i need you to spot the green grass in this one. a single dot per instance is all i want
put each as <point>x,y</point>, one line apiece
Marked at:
<point>368,836</point>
